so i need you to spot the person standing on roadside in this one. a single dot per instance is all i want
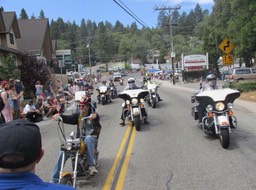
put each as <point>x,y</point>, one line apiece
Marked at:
<point>39,90</point>
<point>7,110</point>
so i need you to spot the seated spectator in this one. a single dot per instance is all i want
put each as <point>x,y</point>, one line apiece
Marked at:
<point>32,114</point>
<point>40,106</point>
<point>50,107</point>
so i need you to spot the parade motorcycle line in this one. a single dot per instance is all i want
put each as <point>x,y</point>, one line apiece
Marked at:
<point>218,121</point>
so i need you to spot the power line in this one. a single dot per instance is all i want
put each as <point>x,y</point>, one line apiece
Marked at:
<point>136,18</point>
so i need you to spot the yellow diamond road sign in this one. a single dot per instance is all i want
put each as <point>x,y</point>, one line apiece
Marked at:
<point>226,46</point>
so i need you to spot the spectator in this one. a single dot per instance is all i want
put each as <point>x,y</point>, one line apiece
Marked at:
<point>50,107</point>
<point>20,151</point>
<point>32,114</point>
<point>14,98</point>
<point>39,90</point>
<point>7,110</point>
<point>41,107</point>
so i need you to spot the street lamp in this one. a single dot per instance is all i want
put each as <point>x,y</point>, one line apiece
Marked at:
<point>90,65</point>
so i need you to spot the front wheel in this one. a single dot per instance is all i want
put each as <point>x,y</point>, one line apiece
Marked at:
<point>67,180</point>
<point>137,123</point>
<point>224,138</point>
<point>153,103</point>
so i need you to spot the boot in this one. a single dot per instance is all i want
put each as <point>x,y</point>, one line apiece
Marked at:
<point>122,123</point>
<point>146,122</point>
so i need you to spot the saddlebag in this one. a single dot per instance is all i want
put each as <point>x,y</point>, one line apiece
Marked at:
<point>194,113</point>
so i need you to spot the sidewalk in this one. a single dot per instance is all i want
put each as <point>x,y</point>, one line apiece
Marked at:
<point>194,87</point>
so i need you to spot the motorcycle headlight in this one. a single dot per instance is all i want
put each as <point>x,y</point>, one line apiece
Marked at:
<point>219,106</point>
<point>102,91</point>
<point>230,105</point>
<point>127,102</point>
<point>134,101</point>
<point>209,108</point>
<point>68,146</point>
<point>141,100</point>
<point>152,90</point>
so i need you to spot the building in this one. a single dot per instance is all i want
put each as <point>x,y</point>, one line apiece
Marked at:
<point>64,58</point>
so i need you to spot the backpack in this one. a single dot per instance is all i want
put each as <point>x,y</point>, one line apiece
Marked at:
<point>1,103</point>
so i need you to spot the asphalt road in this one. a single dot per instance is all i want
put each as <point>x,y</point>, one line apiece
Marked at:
<point>171,152</point>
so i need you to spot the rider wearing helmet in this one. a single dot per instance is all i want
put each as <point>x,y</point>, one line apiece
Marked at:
<point>131,86</point>
<point>211,84</point>
<point>85,109</point>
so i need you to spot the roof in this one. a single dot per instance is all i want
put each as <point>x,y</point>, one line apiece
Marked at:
<point>2,26</point>
<point>10,21</point>
<point>33,32</point>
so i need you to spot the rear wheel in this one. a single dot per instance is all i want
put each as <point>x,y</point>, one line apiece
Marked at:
<point>224,138</point>
<point>67,180</point>
<point>137,123</point>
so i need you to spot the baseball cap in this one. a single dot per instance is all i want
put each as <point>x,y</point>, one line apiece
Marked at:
<point>22,138</point>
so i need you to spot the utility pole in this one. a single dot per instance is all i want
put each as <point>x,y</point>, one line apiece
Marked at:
<point>170,10</point>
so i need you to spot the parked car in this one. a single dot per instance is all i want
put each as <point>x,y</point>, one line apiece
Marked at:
<point>238,74</point>
<point>117,76</point>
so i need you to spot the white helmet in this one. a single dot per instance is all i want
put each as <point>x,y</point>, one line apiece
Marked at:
<point>131,80</point>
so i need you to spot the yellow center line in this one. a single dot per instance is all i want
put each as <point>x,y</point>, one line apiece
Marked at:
<point>124,169</point>
<point>111,175</point>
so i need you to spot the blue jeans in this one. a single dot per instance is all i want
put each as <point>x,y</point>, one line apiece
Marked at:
<point>90,142</point>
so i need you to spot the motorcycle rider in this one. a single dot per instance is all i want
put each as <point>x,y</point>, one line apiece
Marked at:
<point>210,85</point>
<point>131,86</point>
<point>104,83</point>
<point>158,96</point>
<point>112,84</point>
<point>86,109</point>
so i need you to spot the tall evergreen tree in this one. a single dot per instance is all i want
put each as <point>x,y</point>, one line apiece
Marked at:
<point>41,15</point>
<point>23,14</point>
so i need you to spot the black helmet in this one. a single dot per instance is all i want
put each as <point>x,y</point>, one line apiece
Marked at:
<point>131,80</point>
<point>210,77</point>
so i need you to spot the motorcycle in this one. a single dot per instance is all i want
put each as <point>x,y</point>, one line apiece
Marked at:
<point>134,104</point>
<point>103,94</point>
<point>113,92</point>
<point>74,148</point>
<point>151,98</point>
<point>218,118</point>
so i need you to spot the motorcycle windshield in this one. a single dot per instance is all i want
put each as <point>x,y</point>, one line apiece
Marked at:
<point>136,93</point>
<point>151,85</point>
<point>226,95</point>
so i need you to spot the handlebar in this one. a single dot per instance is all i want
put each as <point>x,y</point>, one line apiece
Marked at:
<point>84,118</point>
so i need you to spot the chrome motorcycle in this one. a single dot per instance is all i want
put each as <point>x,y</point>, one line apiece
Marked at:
<point>74,148</point>
<point>103,94</point>
<point>217,115</point>
<point>133,105</point>
<point>152,97</point>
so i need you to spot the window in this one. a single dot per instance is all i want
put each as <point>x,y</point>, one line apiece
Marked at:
<point>11,36</point>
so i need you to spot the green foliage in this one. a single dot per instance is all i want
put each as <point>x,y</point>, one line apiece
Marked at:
<point>8,68</point>
<point>243,86</point>
<point>33,70</point>
<point>23,14</point>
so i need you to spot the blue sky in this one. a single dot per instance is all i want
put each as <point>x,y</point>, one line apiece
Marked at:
<point>100,10</point>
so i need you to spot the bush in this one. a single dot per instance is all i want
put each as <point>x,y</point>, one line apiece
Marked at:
<point>242,86</point>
